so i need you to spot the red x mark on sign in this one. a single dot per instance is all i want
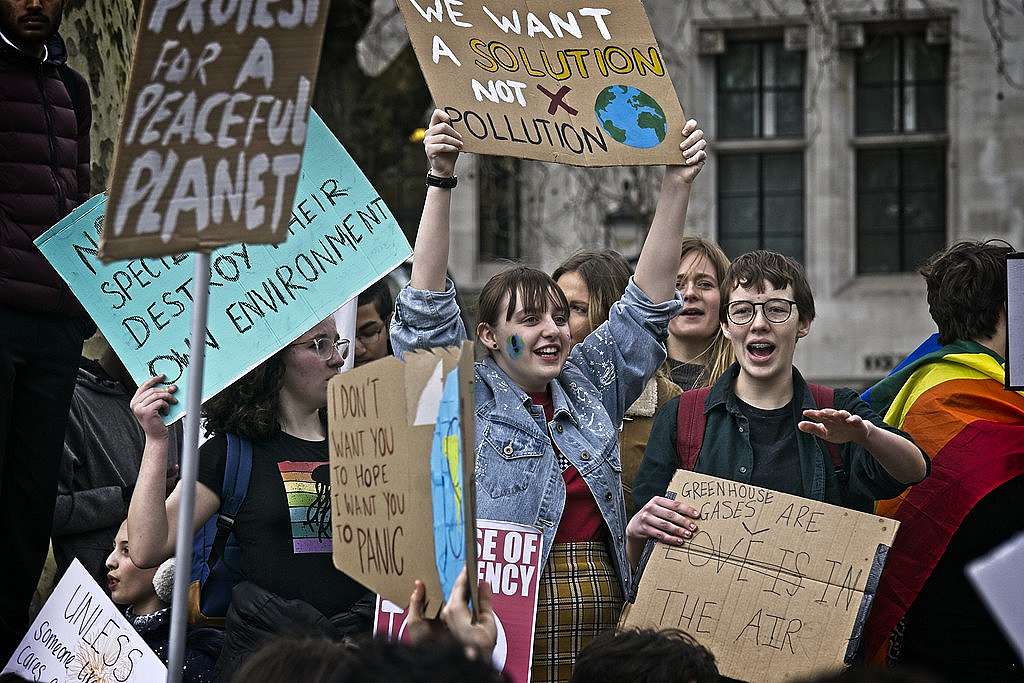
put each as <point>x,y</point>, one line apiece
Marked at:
<point>558,99</point>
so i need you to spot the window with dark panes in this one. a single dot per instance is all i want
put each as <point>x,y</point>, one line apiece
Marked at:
<point>499,205</point>
<point>901,207</point>
<point>901,187</point>
<point>760,91</point>
<point>761,203</point>
<point>901,85</point>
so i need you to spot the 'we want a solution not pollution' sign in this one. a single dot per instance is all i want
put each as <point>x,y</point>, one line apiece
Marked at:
<point>563,80</point>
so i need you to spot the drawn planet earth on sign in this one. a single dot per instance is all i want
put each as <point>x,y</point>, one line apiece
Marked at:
<point>631,116</point>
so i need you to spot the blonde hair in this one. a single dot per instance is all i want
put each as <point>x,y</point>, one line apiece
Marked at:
<point>720,348</point>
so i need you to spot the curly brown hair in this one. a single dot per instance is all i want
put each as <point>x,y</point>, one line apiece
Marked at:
<point>250,407</point>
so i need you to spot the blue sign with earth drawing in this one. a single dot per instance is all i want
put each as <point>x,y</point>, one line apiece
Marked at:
<point>447,487</point>
<point>631,116</point>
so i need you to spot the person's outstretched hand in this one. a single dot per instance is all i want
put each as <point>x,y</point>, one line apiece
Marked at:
<point>837,426</point>
<point>442,144</point>
<point>150,402</point>
<point>479,637</point>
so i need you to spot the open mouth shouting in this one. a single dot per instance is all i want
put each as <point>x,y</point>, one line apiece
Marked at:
<point>760,350</point>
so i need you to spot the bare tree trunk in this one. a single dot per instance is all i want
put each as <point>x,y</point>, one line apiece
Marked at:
<point>100,38</point>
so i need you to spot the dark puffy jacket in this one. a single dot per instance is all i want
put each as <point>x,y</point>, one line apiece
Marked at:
<point>44,171</point>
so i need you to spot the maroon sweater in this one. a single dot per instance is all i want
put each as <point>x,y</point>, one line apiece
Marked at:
<point>44,171</point>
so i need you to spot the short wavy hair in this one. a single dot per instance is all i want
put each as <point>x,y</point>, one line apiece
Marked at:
<point>967,289</point>
<point>758,269</point>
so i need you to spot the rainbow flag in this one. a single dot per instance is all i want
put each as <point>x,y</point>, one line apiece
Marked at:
<point>952,401</point>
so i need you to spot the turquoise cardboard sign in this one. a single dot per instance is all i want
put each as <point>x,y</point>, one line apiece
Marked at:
<point>342,238</point>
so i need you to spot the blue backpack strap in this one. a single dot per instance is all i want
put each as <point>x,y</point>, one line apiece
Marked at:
<point>237,469</point>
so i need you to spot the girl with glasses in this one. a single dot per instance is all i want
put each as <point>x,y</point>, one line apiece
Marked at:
<point>547,412</point>
<point>283,528</point>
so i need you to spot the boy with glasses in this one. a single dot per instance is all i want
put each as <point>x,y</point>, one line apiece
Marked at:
<point>373,316</point>
<point>762,424</point>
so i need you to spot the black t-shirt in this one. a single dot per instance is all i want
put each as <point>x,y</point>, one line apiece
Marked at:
<point>284,525</point>
<point>773,441</point>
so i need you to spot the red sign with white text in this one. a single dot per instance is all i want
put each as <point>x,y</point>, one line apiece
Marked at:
<point>508,558</point>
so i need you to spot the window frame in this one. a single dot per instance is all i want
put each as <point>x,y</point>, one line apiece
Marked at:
<point>490,234</point>
<point>759,90</point>
<point>898,140</point>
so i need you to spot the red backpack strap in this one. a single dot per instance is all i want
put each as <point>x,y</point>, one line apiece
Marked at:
<point>690,421</point>
<point>825,397</point>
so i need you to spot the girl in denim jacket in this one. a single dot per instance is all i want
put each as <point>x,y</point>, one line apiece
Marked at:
<point>547,418</point>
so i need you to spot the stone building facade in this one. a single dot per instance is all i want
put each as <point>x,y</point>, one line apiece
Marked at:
<point>859,136</point>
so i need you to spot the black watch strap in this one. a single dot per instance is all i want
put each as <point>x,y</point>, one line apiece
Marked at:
<point>438,181</point>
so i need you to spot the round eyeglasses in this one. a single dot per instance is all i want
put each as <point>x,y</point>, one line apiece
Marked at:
<point>325,350</point>
<point>775,311</point>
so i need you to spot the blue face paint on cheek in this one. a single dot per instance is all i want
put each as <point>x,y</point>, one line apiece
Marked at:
<point>514,346</point>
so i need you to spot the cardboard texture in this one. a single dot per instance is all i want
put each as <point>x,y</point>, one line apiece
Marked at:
<point>1015,321</point>
<point>211,137</point>
<point>775,585</point>
<point>261,297</point>
<point>390,525</point>
<point>80,635</point>
<point>508,558</point>
<point>561,80</point>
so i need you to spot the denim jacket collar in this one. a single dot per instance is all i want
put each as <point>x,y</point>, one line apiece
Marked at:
<point>507,402</point>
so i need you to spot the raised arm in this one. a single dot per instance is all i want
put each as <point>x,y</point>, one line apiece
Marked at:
<point>430,256</point>
<point>659,260</point>
<point>152,520</point>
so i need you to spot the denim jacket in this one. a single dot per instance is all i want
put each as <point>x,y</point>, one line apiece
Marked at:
<point>517,474</point>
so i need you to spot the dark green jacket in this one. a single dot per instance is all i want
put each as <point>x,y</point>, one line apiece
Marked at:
<point>726,452</point>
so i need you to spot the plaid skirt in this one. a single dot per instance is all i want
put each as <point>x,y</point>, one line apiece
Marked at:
<point>580,596</point>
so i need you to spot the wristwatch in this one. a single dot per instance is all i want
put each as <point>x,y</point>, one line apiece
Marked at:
<point>442,182</point>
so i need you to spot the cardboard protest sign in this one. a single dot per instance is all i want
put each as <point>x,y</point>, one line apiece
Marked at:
<point>212,133</point>
<point>997,578</point>
<point>1015,322</point>
<point>561,80</point>
<point>508,558</point>
<point>777,586</point>
<point>80,635</point>
<point>402,460</point>
<point>343,238</point>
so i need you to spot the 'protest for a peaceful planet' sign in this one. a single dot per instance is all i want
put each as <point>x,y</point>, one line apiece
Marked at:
<point>80,635</point>
<point>402,460</point>
<point>560,80</point>
<point>211,139</point>
<point>777,586</point>
<point>342,239</point>
<point>508,559</point>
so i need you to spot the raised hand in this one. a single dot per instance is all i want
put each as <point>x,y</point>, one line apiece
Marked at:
<point>836,426</point>
<point>442,143</point>
<point>478,637</point>
<point>694,150</point>
<point>150,402</point>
